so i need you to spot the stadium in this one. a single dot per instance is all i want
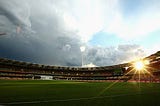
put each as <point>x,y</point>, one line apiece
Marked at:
<point>25,83</point>
<point>79,53</point>
<point>11,69</point>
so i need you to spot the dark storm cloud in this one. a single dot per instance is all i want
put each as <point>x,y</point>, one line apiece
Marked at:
<point>49,44</point>
<point>44,38</point>
<point>16,13</point>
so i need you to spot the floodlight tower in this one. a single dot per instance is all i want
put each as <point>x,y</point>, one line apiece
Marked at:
<point>82,48</point>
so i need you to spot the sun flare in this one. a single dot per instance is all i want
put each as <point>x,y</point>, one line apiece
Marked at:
<point>139,65</point>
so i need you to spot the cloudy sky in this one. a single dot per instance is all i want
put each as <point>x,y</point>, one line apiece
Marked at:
<point>52,31</point>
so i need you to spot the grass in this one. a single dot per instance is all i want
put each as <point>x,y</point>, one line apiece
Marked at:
<point>71,93</point>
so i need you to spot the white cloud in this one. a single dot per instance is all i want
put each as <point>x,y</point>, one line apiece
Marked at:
<point>85,18</point>
<point>152,48</point>
<point>89,17</point>
<point>112,55</point>
<point>136,29</point>
<point>137,25</point>
<point>67,47</point>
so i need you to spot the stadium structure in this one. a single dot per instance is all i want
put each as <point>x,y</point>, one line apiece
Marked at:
<point>12,69</point>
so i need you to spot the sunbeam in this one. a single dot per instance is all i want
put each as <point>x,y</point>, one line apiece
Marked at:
<point>112,84</point>
<point>139,67</point>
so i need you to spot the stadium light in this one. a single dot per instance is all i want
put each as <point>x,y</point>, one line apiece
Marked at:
<point>82,48</point>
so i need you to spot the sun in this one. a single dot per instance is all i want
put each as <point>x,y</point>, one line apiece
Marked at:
<point>139,65</point>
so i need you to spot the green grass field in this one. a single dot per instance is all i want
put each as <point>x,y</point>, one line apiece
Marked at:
<point>70,93</point>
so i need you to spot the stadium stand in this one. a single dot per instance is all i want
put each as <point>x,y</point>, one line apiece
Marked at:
<point>12,69</point>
